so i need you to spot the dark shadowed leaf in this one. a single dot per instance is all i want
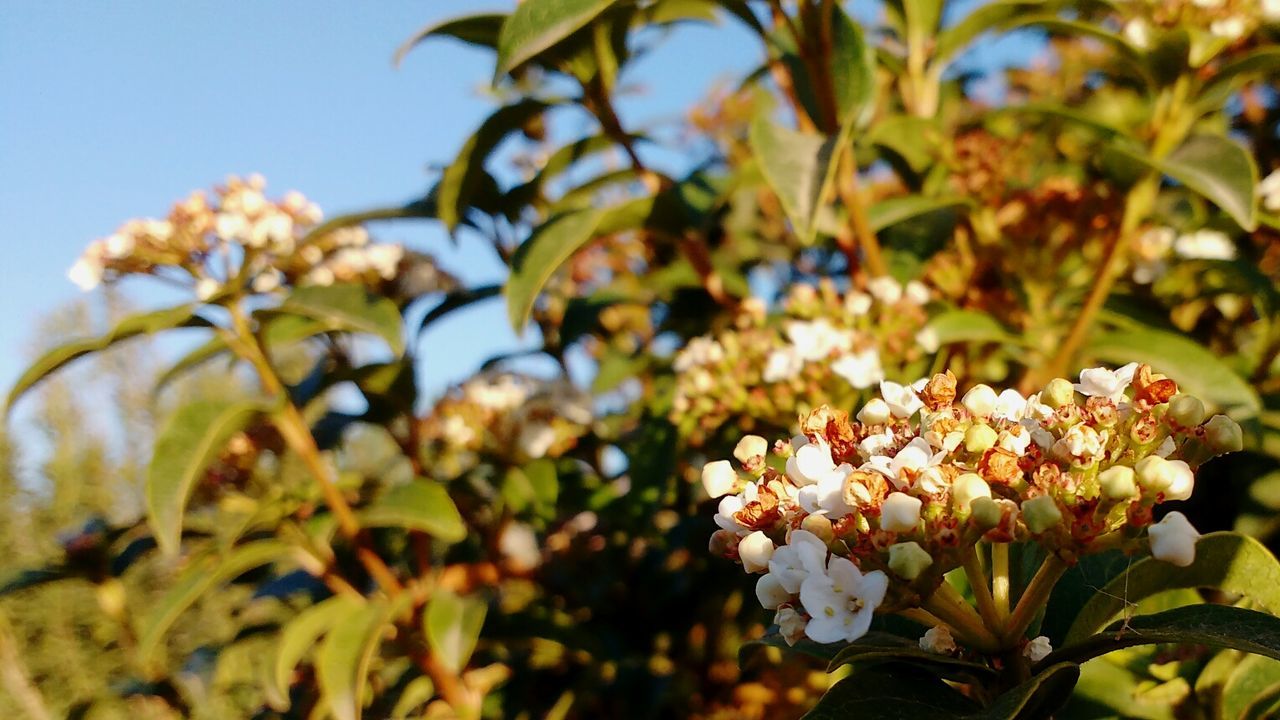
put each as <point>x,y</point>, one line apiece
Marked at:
<point>876,648</point>
<point>456,301</point>
<point>892,692</point>
<point>1220,626</point>
<point>464,178</point>
<point>1039,697</point>
<point>480,29</point>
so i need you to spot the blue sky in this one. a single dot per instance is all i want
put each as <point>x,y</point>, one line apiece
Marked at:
<point>115,110</point>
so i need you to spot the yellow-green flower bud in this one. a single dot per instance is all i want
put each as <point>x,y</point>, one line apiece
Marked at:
<point>986,512</point>
<point>1057,393</point>
<point>819,525</point>
<point>979,438</point>
<point>1117,482</point>
<point>908,560</point>
<point>1223,434</point>
<point>1186,410</point>
<point>1041,513</point>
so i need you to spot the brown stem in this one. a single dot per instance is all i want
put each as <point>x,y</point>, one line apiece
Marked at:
<point>847,185</point>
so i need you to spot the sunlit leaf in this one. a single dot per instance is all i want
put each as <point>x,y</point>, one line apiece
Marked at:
<point>539,256</point>
<point>796,167</point>
<point>418,505</point>
<point>1215,167</point>
<point>301,633</point>
<point>480,29</point>
<point>453,625</point>
<point>537,25</point>
<point>348,308</point>
<point>343,661</point>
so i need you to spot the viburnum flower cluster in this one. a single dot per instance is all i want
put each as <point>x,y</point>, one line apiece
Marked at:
<point>823,344</point>
<point>861,515</point>
<point>507,416</point>
<point>1227,21</point>
<point>236,236</point>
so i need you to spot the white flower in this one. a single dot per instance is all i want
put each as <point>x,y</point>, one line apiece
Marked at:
<point>969,487</point>
<point>118,246</point>
<point>1209,3</point>
<point>719,478</point>
<point>783,364</point>
<point>206,288</point>
<point>1010,405</point>
<point>816,340</point>
<point>1016,440</point>
<point>755,551</point>
<point>917,293</point>
<point>938,640</point>
<point>876,443</point>
<point>907,463</point>
<point>1183,483</point>
<point>1038,649</point>
<point>1138,33</point>
<point>900,513</point>
<point>700,351</point>
<point>1205,245</point>
<point>86,273</point>
<point>770,592</point>
<point>885,289</point>
<point>928,340</point>
<point>827,494</point>
<point>230,226</point>
<point>457,432</point>
<point>1271,14</point>
<point>1101,382</point>
<point>1173,540</point>
<point>750,446</point>
<point>1081,443</point>
<point>500,393</point>
<point>903,401</point>
<point>519,546</point>
<point>804,553</point>
<point>1229,28</point>
<point>731,505</point>
<point>791,624</point>
<point>862,369</point>
<point>875,412</point>
<point>1269,188</point>
<point>535,439</point>
<point>857,304</point>
<point>267,281</point>
<point>980,400</point>
<point>932,481</point>
<point>1149,252</point>
<point>841,601</point>
<point>810,463</point>
<point>321,276</point>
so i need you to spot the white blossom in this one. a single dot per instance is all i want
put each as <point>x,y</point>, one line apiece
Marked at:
<point>857,304</point>
<point>1183,481</point>
<point>902,399</point>
<point>1110,384</point>
<point>700,351</point>
<point>804,553</point>
<point>917,293</point>
<point>885,289</point>
<point>206,288</point>
<point>908,462</point>
<point>719,478</point>
<point>1205,245</point>
<point>1173,540</point>
<point>810,463</point>
<point>861,369</point>
<point>86,273</point>
<point>1138,33</point>
<point>783,364</point>
<point>841,601</point>
<point>875,412</point>
<point>770,592</point>
<point>1269,188</point>
<point>1228,28</point>
<point>827,494</point>
<point>755,550</point>
<point>536,439</point>
<point>938,640</point>
<point>818,339</point>
<point>900,513</point>
<point>1038,649</point>
<point>980,400</point>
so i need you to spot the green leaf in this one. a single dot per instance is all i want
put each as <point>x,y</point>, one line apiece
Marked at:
<point>418,505</point>
<point>349,308</point>
<point>19,580</point>
<point>796,165</point>
<point>876,648</point>
<point>418,210</point>
<point>892,211</point>
<point>414,695</point>
<point>203,573</point>
<point>1039,697</point>
<point>968,326</point>
<point>191,440</point>
<point>1107,689</point>
<point>538,25</point>
<point>480,29</point>
<point>1251,679</point>
<point>142,324</point>
<point>1196,369</point>
<point>914,139</point>
<point>826,652</point>
<point>463,179</point>
<point>1220,626</point>
<point>456,301</point>
<point>343,661</point>
<point>536,486</point>
<point>990,16</point>
<point>892,692</point>
<point>300,634</point>
<point>1225,561</point>
<point>1216,92</point>
<point>853,65</point>
<point>452,624</point>
<point>1215,167</point>
<point>538,257</point>
<point>202,354</point>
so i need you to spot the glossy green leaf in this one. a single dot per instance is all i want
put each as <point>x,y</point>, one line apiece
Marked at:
<point>892,211</point>
<point>480,29</point>
<point>892,692</point>
<point>1039,697</point>
<point>343,661</point>
<point>826,652</point>
<point>985,18</point>
<point>142,324</point>
<point>1215,167</point>
<point>1251,678</point>
<point>452,624</point>
<point>796,165</point>
<point>1260,62</point>
<point>1110,689</point>
<point>537,25</point>
<point>418,505</point>
<point>301,633</point>
<point>853,65</point>
<point>456,301</point>
<point>1195,368</point>
<point>463,179</point>
<point>202,574</point>
<point>1227,561</point>
<point>213,348</point>
<point>1220,626</point>
<point>414,695</point>
<point>348,308</point>
<point>418,210</point>
<point>535,486</point>
<point>968,326</point>
<point>190,440</point>
<point>877,648</point>
<point>539,256</point>
<point>914,139</point>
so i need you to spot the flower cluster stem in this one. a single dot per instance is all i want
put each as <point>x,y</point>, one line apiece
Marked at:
<point>1000,580</point>
<point>1034,598</point>
<point>948,605</point>
<point>981,593</point>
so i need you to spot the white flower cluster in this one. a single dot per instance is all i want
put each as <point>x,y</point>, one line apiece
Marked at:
<point>849,514</point>
<point>1153,249</point>
<point>236,234</point>
<point>823,342</point>
<point>1226,20</point>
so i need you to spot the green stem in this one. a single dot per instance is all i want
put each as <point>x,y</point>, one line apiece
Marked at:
<point>1034,598</point>
<point>1000,580</point>
<point>947,605</point>
<point>981,592</point>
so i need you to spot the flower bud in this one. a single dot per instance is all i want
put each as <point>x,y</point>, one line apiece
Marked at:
<point>908,560</point>
<point>980,400</point>
<point>1155,473</point>
<point>1184,481</point>
<point>1038,649</point>
<point>755,551</point>
<point>1173,540</point>
<point>770,592</point>
<point>967,488</point>
<point>791,625</point>
<point>978,438</point>
<point>1223,435</point>
<point>719,478</point>
<point>875,412</point>
<point>723,543</point>
<point>819,525</point>
<point>938,640</point>
<point>750,447</point>
<point>987,513</point>
<point>1041,513</point>
<point>900,513</point>
<point>1186,410</point>
<point>1057,393</point>
<point>1117,482</point>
